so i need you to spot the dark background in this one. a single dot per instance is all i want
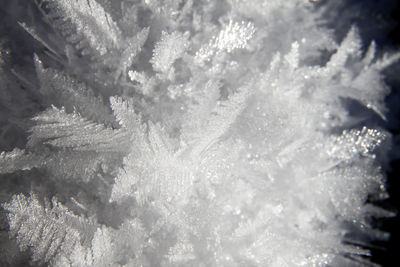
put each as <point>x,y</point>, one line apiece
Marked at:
<point>388,253</point>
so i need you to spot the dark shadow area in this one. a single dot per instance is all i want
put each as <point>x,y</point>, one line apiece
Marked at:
<point>386,253</point>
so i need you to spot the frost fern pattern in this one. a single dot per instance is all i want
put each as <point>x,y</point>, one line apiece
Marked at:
<point>190,133</point>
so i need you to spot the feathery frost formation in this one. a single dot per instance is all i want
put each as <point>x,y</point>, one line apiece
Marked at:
<point>195,133</point>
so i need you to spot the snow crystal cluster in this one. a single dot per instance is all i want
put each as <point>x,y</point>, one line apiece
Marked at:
<point>192,133</point>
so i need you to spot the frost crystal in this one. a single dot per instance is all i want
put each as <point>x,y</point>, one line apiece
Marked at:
<point>89,19</point>
<point>168,49</point>
<point>191,133</point>
<point>233,36</point>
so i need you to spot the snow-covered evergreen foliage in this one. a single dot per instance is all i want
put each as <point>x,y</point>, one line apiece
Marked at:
<point>193,133</point>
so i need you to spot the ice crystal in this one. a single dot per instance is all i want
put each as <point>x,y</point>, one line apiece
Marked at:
<point>192,133</point>
<point>89,20</point>
<point>233,36</point>
<point>167,50</point>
